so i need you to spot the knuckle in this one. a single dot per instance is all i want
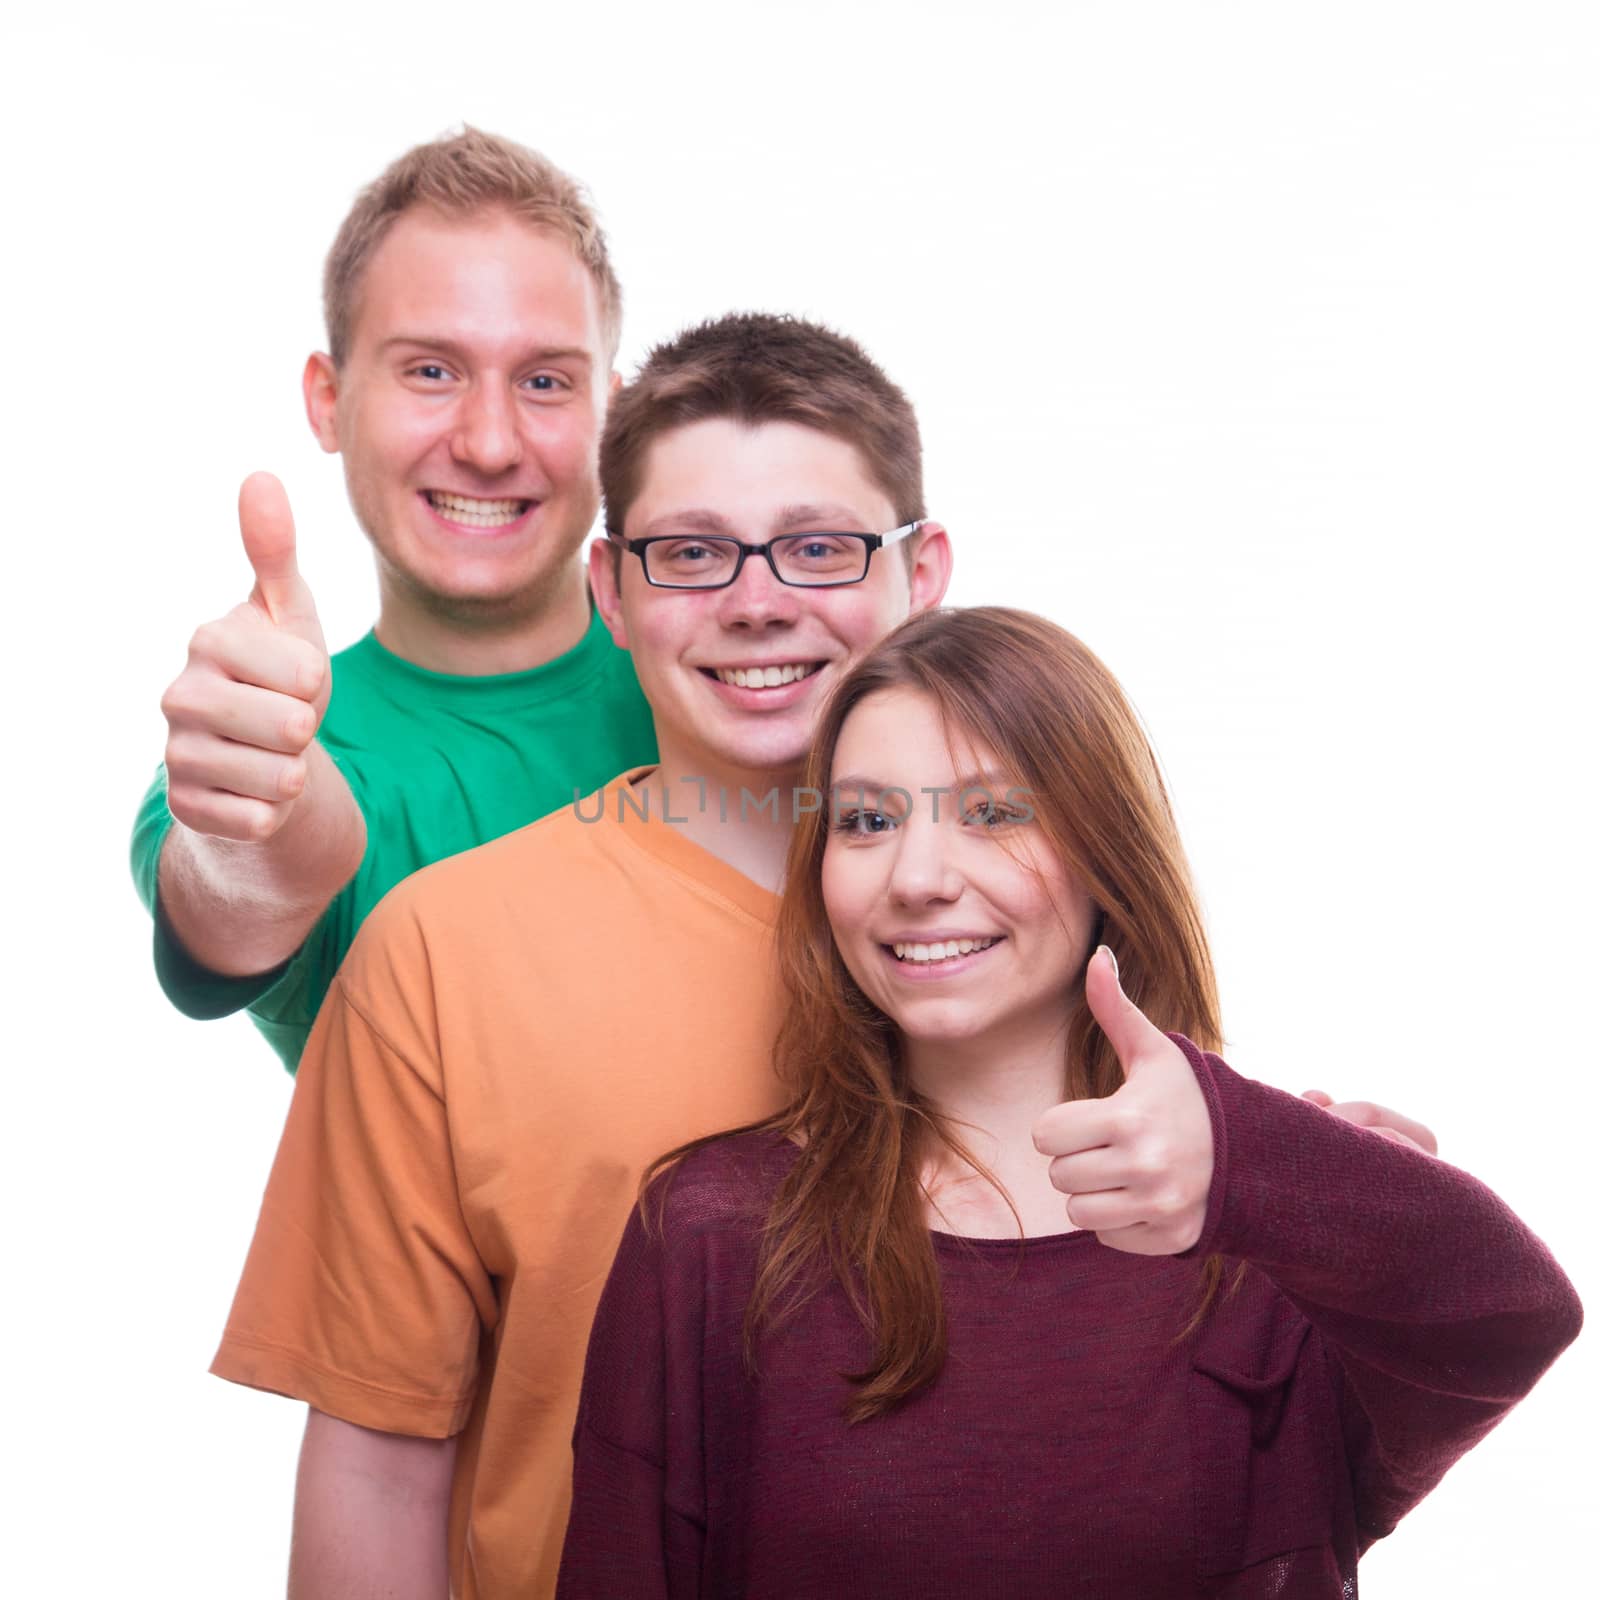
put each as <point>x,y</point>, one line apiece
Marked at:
<point>179,756</point>
<point>1128,1125</point>
<point>1154,1156</point>
<point>261,821</point>
<point>208,641</point>
<point>184,806</point>
<point>173,706</point>
<point>314,671</point>
<point>1047,1130</point>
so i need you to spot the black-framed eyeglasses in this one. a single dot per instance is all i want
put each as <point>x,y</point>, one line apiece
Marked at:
<point>805,560</point>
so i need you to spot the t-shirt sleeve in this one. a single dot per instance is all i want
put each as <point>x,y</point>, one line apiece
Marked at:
<point>637,1523</point>
<point>1438,1307</point>
<point>364,1293</point>
<point>196,991</point>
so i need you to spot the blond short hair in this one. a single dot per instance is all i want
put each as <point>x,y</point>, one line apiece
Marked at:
<point>460,175</point>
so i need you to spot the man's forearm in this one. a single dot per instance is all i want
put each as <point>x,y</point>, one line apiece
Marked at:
<point>239,907</point>
<point>371,1515</point>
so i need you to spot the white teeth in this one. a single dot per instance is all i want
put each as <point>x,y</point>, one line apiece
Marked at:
<point>763,677</point>
<point>476,513</point>
<point>940,952</point>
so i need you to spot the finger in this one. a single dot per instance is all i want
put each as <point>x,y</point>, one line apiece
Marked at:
<point>1105,1212</point>
<point>1076,1125</point>
<point>238,711</point>
<point>1394,1136</point>
<point>201,760</point>
<point>1131,1032</point>
<point>1381,1119</point>
<point>225,816</point>
<point>1317,1097</point>
<point>1139,1239</point>
<point>267,527</point>
<point>1089,1171</point>
<point>242,647</point>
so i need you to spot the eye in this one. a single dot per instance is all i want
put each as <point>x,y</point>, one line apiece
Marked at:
<point>992,816</point>
<point>862,822</point>
<point>429,371</point>
<point>547,383</point>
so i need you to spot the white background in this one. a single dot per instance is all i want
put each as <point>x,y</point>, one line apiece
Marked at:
<point>1257,343</point>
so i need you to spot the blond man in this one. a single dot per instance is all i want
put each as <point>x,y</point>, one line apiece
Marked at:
<point>473,317</point>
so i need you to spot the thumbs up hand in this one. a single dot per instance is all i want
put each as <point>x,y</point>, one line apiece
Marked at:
<point>1135,1166</point>
<point>243,711</point>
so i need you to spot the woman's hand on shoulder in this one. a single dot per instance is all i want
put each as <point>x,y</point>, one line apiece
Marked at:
<point>1381,1120</point>
<point>1136,1166</point>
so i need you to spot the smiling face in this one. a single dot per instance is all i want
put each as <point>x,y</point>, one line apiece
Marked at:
<point>961,926</point>
<point>468,413</point>
<point>692,648</point>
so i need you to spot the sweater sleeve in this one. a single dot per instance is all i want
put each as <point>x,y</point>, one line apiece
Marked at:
<point>630,1532</point>
<point>1439,1308</point>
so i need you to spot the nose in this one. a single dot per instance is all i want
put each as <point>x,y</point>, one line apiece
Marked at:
<point>487,437</point>
<point>755,599</point>
<point>924,870</point>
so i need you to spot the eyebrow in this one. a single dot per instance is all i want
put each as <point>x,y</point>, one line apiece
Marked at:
<point>824,519</point>
<point>989,782</point>
<point>450,347</point>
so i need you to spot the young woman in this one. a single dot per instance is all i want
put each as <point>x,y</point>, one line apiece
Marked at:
<point>867,1347</point>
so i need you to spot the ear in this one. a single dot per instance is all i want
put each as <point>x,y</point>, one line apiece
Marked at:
<point>319,383</point>
<point>930,567</point>
<point>605,584</point>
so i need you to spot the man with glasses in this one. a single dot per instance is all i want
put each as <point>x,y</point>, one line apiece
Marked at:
<point>519,1030</point>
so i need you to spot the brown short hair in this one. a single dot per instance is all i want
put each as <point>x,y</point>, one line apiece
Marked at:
<point>756,368</point>
<point>459,175</point>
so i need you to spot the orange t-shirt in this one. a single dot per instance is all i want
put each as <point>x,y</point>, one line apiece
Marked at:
<point>515,1034</point>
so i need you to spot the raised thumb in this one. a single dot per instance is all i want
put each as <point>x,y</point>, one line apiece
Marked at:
<point>267,527</point>
<point>1130,1031</point>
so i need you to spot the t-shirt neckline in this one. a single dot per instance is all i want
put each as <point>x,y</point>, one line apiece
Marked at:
<point>671,846</point>
<point>548,681</point>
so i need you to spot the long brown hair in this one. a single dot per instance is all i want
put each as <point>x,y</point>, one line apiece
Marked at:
<point>852,1205</point>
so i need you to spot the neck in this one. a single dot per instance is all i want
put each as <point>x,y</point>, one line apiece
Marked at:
<point>993,1089</point>
<point>464,643</point>
<point>744,817</point>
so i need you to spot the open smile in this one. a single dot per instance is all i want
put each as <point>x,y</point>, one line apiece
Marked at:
<point>765,686</point>
<point>473,515</point>
<point>763,677</point>
<point>938,958</point>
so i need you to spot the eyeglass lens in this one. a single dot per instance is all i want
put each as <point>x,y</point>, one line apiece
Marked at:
<point>801,558</point>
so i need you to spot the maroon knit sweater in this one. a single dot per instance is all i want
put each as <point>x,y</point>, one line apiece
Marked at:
<point>1392,1312</point>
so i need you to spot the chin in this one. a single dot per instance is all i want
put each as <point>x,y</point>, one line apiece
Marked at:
<point>780,764</point>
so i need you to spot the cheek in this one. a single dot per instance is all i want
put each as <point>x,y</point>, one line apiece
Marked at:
<point>386,437</point>
<point>846,892</point>
<point>568,440</point>
<point>858,620</point>
<point>1064,920</point>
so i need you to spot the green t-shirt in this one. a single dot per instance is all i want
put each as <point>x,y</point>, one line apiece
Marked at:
<point>438,764</point>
